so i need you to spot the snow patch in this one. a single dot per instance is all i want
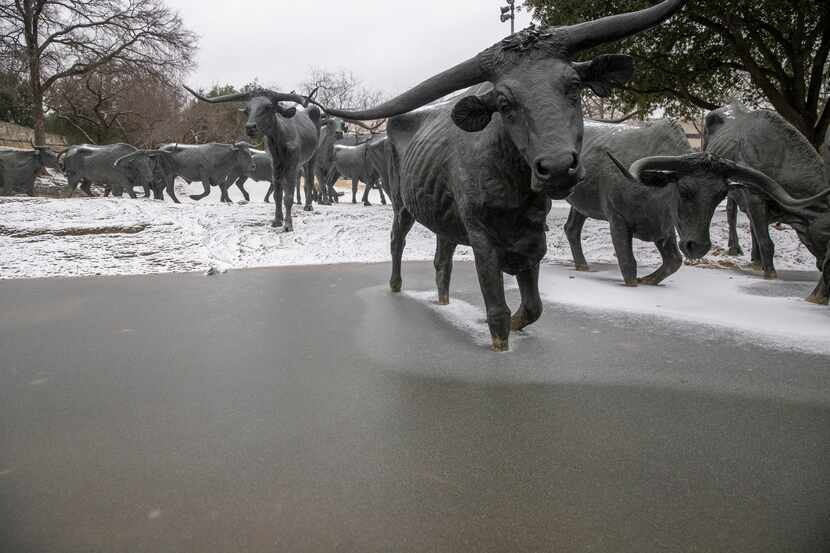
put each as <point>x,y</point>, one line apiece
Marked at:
<point>717,299</point>
<point>464,316</point>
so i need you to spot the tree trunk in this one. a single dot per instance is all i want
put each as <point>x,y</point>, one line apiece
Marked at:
<point>39,118</point>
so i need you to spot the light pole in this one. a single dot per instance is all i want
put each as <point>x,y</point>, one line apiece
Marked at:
<point>509,12</point>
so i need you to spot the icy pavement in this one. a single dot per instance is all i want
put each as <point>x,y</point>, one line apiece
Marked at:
<point>44,237</point>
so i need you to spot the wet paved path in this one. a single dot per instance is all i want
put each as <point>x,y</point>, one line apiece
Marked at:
<point>305,409</point>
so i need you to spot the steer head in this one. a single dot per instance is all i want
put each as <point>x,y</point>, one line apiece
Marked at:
<point>244,158</point>
<point>534,90</point>
<point>539,103</point>
<point>262,107</point>
<point>703,181</point>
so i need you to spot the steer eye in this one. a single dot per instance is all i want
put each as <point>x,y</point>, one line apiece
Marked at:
<point>504,104</point>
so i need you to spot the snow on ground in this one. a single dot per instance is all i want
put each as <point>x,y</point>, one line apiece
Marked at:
<point>733,304</point>
<point>43,237</point>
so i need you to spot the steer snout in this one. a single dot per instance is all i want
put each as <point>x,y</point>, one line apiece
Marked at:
<point>250,130</point>
<point>556,175</point>
<point>695,249</point>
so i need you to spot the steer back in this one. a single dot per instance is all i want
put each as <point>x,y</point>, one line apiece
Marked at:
<point>603,183</point>
<point>96,164</point>
<point>766,142</point>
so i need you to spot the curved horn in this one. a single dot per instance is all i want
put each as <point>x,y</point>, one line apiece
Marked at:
<point>659,163</point>
<point>626,173</point>
<point>461,76</point>
<point>237,97</point>
<point>770,187</point>
<point>245,96</point>
<point>586,35</point>
<point>131,154</point>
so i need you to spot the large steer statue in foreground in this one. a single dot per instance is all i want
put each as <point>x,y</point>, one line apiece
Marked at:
<point>764,141</point>
<point>18,169</point>
<point>481,170</point>
<point>291,137</point>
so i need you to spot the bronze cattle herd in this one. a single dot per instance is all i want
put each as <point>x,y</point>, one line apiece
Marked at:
<point>482,168</point>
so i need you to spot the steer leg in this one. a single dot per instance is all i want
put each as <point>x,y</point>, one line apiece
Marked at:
<point>240,184</point>
<point>573,231</point>
<point>171,190</point>
<point>401,224</point>
<point>278,191</point>
<point>382,197</point>
<point>293,182</point>
<point>732,219</point>
<point>672,261</point>
<point>270,191</point>
<point>86,186</point>
<point>821,295</point>
<point>761,241</point>
<point>531,308</point>
<point>491,281</point>
<point>444,250</point>
<point>366,190</point>
<point>206,192</point>
<point>622,237</point>
<point>308,182</point>
<point>354,191</point>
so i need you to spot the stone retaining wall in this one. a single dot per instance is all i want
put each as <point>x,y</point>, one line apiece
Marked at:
<point>16,136</point>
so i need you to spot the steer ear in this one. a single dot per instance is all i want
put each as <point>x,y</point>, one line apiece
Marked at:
<point>473,113</point>
<point>604,72</point>
<point>288,113</point>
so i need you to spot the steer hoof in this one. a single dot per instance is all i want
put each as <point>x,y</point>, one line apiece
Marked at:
<point>367,204</point>
<point>648,281</point>
<point>499,344</point>
<point>735,251</point>
<point>631,282</point>
<point>582,268</point>
<point>818,300</point>
<point>770,275</point>
<point>276,224</point>
<point>443,299</point>
<point>395,286</point>
<point>308,208</point>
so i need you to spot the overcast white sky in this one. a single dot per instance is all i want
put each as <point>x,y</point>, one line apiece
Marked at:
<point>389,44</point>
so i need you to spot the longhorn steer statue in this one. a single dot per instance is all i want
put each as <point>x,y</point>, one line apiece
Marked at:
<point>481,170</point>
<point>291,137</point>
<point>352,162</point>
<point>764,141</point>
<point>18,169</point>
<point>631,209</point>
<point>331,133</point>
<point>211,164</point>
<point>699,182</point>
<point>90,164</point>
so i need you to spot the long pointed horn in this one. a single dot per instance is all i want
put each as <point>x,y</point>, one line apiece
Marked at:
<point>237,97</point>
<point>769,186</point>
<point>626,173</point>
<point>660,163</point>
<point>461,76</point>
<point>245,96</point>
<point>615,27</point>
<point>131,154</point>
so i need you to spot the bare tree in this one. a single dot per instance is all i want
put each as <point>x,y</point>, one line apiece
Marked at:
<point>340,89</point>
<point>59,39</point>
